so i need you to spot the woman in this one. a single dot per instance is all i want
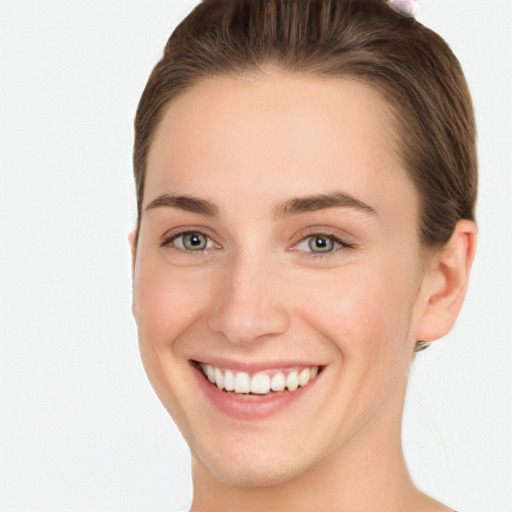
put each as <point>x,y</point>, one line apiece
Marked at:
<point>306,184</point>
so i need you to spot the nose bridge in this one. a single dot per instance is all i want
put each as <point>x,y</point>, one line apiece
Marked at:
<point>250,302</point>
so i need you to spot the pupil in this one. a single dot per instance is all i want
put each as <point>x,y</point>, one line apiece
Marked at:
<point>321,244</point>
<point>194,241</point>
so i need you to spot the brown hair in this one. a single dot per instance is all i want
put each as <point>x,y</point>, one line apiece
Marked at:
<point>411,66</point>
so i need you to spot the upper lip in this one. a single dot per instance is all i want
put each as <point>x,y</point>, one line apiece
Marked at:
<point>253,366</point>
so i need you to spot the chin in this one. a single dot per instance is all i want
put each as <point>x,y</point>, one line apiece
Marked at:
<point>250,470</point>
<point>256,475</point>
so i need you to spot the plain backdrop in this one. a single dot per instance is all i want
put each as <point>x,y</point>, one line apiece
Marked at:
<point>80,428</point>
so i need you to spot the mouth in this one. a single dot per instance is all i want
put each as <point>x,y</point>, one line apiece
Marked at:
<point>263,383</point>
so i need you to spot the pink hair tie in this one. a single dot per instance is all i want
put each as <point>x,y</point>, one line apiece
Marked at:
<point>406,8</point>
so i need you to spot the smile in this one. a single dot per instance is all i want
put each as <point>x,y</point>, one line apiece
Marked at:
<point>264,382</point>
<point>257,393</point>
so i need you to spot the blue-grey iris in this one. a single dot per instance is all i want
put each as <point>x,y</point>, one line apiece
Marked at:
<point>321,244</point>
<point>194,241</point>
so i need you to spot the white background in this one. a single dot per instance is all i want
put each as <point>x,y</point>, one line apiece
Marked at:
<point>80,428</point>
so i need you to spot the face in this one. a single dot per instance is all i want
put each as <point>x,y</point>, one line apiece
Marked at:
<point>278,259</point>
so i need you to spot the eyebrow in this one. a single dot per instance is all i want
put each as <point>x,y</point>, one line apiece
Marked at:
<point>288,208</point>
<point>337,199</point>
<point>186,203</point>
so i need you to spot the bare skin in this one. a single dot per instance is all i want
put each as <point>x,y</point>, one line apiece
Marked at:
<point>383,483</point>
<point>238,267</point>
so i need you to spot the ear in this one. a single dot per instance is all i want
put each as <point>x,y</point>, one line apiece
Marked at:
<point>445,283</point>
<point>133,248</point>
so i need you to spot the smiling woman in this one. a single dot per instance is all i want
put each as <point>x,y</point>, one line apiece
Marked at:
<point>306,180</point>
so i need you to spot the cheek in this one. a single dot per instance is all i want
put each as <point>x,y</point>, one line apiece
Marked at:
<point>166,302</point>
<point>364,311</point>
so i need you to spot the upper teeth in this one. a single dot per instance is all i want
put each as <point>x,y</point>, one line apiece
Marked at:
<point>260,383</point>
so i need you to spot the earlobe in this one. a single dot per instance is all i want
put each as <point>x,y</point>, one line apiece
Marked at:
<point>445,283</point>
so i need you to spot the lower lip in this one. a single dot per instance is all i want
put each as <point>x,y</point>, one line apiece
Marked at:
<point>249,407</point>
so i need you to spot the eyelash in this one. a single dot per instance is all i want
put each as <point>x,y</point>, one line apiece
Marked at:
<point>342,244</point>
<point>171,238</point>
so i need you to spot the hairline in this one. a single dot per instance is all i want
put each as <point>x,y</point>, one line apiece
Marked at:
<point>273,68</point>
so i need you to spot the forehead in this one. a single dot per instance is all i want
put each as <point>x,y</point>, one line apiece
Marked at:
<point>274,136</point>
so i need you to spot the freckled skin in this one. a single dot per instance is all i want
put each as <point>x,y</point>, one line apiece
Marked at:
<point>259,293</point>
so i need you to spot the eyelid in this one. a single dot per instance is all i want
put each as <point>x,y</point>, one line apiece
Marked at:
<point>343,241</point>
<point>175,233</point>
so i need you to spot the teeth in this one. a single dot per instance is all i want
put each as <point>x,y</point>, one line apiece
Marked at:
<point>219,378</point>
<point>304,376</point>
<point>210,373</point>
<point>260,383</point>
<point>278,382</point>
<point>229,381</point>
<point>242,383</point>
<point>292,381</point>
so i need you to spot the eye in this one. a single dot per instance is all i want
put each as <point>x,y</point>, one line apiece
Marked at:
<point>319,243</point>
<point>189,241</point>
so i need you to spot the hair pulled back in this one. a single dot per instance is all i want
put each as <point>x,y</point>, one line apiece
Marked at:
<point>411,66</point>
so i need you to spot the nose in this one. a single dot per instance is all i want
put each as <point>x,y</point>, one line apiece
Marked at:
<point>250,304</point>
